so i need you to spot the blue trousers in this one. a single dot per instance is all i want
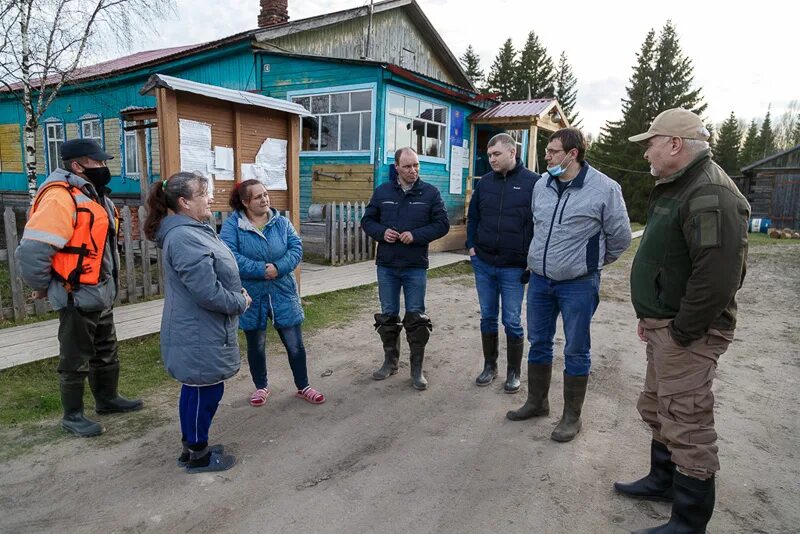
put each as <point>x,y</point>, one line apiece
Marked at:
<point>197,406</point>
<point>412,280</point>
<point>292,338</point>
<point>496,285</point>
<point>576,301</point>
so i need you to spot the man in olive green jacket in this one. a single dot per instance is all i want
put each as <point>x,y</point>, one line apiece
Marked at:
<point>684,279</point>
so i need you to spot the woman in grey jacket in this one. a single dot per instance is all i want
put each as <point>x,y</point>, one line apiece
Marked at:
<point>204,298</point>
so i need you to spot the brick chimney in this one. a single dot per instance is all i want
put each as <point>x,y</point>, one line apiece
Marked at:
<point>273,12</point>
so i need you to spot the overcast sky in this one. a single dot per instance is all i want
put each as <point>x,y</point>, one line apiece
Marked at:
<point>744,58</point>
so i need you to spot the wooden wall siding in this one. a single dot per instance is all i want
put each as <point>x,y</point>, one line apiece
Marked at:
<point>291,74</point>
<point>113,148</point>
<point>155,154</point>
<point>307,165</point>
<point>391,32</point>
<point>257,125</point>
<point>10,148</point>
<point>72,130</point>
<point>41,156</point>
<point>786,201</point>
<point>341,183</point>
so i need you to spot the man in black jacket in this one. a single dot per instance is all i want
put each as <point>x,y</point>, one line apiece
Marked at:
<point>404,216</point>
<point>499,232</point>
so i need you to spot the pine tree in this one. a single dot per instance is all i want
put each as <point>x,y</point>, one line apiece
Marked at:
<point>501,75</point>
<point>534,71</point>
<point>472,66</point>
<point>566,94</point>
<point>726,149</point>
<point>662,79</point>
<point>766,138</point>
<point>750,147</point>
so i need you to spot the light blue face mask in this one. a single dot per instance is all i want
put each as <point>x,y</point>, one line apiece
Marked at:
<point>559,169</point>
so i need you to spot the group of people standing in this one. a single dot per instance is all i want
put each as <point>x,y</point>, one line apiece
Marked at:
<point>553,233</point>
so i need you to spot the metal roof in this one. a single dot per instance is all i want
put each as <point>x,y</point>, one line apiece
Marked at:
<point>220,93</point>
<point>516,109</point>
<point>761,163</point>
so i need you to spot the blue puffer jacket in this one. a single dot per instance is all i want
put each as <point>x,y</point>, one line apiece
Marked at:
<point>203,299</point>
<point>280,245</point>
<point>499,221</point>
<point>420,211</point>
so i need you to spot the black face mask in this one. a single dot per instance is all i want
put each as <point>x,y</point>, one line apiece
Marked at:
<point>98,176</point>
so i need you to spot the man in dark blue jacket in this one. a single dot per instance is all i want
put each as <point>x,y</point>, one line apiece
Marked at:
<point>499,231</point>
<point>404,216</point>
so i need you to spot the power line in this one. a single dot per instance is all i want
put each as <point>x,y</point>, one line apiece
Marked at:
<point>618,168</point>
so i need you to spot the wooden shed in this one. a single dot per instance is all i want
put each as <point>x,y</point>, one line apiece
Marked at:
<point>772,186</point>
<point>221,132</point>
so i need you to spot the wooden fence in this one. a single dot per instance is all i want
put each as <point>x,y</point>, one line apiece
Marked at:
<point>137,277</point>
<point>345,241</point>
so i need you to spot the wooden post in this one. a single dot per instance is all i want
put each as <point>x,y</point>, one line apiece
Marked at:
<point>145,250</point>
<point>359,207</point>
<point>160,264</point>
<point>293,170</point>
<point>339,220</point>
<point>327,236</point>
<point>144,172</point>
<point>169,141</point>
<point>129,257</point>
<point>237,145</point>
<point>17,291</point>
<point>532,155</point>
<point>348,234</point>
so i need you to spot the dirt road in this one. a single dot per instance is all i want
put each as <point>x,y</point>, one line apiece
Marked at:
<point>381,457</point>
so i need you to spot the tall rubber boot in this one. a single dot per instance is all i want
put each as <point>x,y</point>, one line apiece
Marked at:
<point>570,423</point>
<point>418,332</point>
<point>74,421</point>
<point>514,349</point>
<point>538,403</point>
<point>388,327</point>
<point>104,382</point>
<point>489,342</point>
<point>657,485</point>
<point>691,509</point>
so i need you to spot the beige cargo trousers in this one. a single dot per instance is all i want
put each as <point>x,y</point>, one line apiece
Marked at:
<point>677,402</point>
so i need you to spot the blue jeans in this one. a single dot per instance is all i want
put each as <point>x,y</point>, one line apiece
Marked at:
<point>576,301</point>
<point>196,407</point>
<point>412,280</point>
<point>292,338</point>
<point>496,284</point>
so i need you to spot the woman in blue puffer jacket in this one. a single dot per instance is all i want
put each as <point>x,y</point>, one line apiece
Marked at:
<point>268,250</point>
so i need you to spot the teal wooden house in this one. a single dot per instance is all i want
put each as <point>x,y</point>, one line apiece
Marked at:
<point>375,80</point>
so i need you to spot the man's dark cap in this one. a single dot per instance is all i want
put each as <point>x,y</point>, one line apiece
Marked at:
<point>76,148</point>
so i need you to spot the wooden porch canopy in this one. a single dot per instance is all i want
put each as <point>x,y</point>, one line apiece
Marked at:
<point>239,120</point>
<point>531,115</point>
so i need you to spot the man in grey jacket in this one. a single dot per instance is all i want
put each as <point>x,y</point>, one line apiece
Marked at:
<point>580,224</point>
<point>69,253</point>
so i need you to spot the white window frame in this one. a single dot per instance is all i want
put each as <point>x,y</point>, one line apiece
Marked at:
<point>53,143</point>
<point>362,151</point>
<point>130,146</point>
<point>444,158</point>
<point>91,123</point>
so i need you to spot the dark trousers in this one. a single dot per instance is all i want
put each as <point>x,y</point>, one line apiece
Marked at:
<point>292,338</point>
<point>87,340</point>
<point>196,407</point>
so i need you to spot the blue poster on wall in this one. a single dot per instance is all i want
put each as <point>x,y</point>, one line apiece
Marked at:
<point>456,127</point>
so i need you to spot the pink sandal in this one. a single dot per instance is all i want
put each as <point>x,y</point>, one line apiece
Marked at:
<point>259,397</point>
<point>311,395</point>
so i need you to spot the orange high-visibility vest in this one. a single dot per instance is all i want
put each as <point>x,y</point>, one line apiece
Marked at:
<point>81,259</point>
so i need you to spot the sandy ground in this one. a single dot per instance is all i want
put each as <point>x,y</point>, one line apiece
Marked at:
<point>380,456</point>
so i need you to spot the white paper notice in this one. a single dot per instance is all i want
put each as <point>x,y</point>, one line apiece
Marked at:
<point>223,158</point>
<point>456,168</point>
<point>270,166</point>
<point>195,146</point>
<point>248,171</point>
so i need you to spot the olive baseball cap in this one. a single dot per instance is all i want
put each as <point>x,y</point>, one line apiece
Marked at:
<point>76,148</point>
<point>676,122</point>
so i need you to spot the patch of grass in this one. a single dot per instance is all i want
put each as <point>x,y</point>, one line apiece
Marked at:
<point>635,227</point>
<point>757,240</point>
<point>452,270</point>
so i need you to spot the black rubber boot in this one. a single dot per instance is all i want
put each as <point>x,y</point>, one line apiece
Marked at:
<point>570,423</point>
<point>691,509</point>
<point>74,421</point>
<point>183,459</point>
<point>514,349</point>
<point>489,342</point>
<point>207,461</point>
<point>538,403</point>
<point>657,485</point>
<point>388,327</point>
<point>104,382</point>
<point>418,332</point>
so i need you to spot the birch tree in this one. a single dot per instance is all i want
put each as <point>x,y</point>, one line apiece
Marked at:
<point>44,43</point>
